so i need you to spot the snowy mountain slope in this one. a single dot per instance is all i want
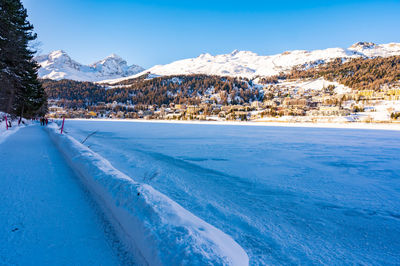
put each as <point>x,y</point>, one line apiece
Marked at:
<point>313,84</point>
<point>249,64</point>
<point>58,65</point>
<point>370,49</point>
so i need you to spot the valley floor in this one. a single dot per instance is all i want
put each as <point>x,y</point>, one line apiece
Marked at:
<point>46,216</point>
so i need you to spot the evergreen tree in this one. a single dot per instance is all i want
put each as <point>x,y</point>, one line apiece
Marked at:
<point>20,92</point>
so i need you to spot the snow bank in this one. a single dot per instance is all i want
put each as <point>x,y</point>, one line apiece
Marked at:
<point>150,223</point>
<point>4,133</point>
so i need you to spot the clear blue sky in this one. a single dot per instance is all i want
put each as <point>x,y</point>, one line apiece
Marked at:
<point>158,32</point>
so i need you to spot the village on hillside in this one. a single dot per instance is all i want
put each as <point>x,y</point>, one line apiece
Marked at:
<point>286,102</point>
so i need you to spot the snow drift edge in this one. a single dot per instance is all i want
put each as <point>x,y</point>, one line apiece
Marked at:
<point>153,225</point>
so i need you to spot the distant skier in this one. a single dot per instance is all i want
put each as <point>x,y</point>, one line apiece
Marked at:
<point>47,121</point>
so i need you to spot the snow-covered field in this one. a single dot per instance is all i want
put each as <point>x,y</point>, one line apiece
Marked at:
<point>284,121</point>
<point>287,195</point>
<point>314,84</point>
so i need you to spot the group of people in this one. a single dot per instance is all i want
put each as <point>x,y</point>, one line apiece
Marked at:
<point>44,121</point>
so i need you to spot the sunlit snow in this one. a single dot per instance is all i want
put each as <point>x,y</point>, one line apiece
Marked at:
<point>286,195</point>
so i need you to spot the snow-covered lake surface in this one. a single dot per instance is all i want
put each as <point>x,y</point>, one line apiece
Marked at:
<point>285,194</point>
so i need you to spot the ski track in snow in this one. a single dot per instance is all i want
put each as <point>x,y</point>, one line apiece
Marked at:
<point>286,195</point>
<point>46,216</point>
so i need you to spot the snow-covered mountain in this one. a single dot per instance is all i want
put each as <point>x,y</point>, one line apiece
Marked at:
<point>58,65</point>
<point>249,64</point>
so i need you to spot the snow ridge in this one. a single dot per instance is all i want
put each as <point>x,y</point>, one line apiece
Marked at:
<point>58,65</point>
<point>153,226</point>
<point>249,64</point>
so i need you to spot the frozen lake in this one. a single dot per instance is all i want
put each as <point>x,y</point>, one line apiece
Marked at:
<point>286,195</point>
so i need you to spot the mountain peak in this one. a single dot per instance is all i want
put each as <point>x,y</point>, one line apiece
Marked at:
<point>114,56</point>
<point>58,65</point>
<point>234,52</point>
<point>363,45</point>
<point>58,53</point>
<point>205,55</point>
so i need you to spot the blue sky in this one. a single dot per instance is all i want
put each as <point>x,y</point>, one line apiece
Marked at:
<point>159,32</point>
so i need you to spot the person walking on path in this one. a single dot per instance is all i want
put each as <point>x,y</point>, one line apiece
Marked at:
<point>42,121</point>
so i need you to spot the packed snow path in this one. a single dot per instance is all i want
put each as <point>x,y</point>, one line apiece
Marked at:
<point>46,217</point>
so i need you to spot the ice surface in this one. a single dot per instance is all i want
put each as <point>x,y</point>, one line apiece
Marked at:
<point>286,195</point>
<point>156,229</point>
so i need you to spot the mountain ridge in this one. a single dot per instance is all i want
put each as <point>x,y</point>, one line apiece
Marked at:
<point>250,65</point>
<point>114,69</point>
<point>59,65</point>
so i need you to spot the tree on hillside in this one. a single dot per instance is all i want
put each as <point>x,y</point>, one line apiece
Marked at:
<point>20,91</point>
